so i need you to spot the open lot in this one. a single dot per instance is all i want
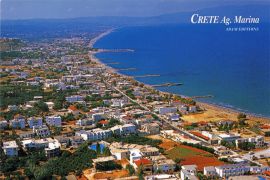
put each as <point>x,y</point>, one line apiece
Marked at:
<point>188,155</point>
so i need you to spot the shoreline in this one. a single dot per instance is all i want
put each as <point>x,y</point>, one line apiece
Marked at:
<point>204,105</point>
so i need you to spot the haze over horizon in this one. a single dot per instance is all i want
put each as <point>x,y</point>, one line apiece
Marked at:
<point>64,9</point>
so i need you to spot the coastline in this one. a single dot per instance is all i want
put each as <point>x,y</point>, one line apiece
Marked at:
<point>252,117</point>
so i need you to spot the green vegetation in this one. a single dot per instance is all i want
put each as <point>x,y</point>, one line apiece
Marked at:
<point>36,166</point>
<point>180,152</point>
<point>246,146</point>
<point>130,169</point>
<point>8,55</point>
<point>18,94</point>
<point>210,150</point>
<point>228,144</point>
<point>108,166</point>
<point>135,139</point>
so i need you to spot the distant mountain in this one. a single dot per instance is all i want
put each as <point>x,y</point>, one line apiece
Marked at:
<point>61,27</point>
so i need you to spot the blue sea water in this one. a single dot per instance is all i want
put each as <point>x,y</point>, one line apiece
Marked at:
<point>232,66</point>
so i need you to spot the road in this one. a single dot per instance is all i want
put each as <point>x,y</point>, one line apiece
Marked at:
<point>181,131</point>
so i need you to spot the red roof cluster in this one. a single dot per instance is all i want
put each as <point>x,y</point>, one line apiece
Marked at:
<point>103,122</point>
<point>199,135</point>
<point>142,161</point>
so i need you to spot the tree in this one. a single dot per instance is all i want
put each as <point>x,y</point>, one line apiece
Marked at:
<point>41,106</point>
<point>130,169</point>
<point>106,151</point>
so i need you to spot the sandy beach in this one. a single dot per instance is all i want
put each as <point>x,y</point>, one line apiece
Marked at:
<point>211,112</point>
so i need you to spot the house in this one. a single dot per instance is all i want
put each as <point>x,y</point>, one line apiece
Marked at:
<point>134,155</point>
<point>54,121</point>
<point>98,116</point>
<point>63,140</point>
<point>85,122</point>
<point>151,128</point>
<point>210,171</point>
<point>188,172</point>
<point>10,148</point>
<point>50,105</point>
<point>149,151</point>
<point>36,143</point>
<point>18,122</point>
<point>3,124</point>
<point>162,164</point>
<point>73,110</point>
<point>24,135</point>
<point>120,153</point>
<point>174,117</point>
<point>146,165</point>
<point>34,121</point>
<point>74,98</point>
<point>53,149</point>
<point>76,141</point>
<point>41,131</point>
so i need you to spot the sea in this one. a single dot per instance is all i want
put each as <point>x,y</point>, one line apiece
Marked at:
<point>232,66</point>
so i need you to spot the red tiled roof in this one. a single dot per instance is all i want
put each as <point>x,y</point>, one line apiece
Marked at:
<point>104,122</point>
<point>200,135</point>
<point>267,173</point>
<point>72,108</point>
<point>142,161</point>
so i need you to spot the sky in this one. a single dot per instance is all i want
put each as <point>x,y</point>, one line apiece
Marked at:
<point>48,9</point>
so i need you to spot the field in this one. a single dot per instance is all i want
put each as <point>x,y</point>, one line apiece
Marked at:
<point>112,174</point>
<point>188,155</point>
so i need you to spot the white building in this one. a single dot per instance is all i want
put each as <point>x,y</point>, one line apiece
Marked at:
<point>188,172</point>
<point>94,134</point>
<point>98,116</point>
<point>85,122</point>
<point>34,121</point>
<point>41,131</point>
<point>54,121</point>
<point>166,110</point>
<point>124,129</point>
<point>53,149</point>
<point>232,170</point>
<point>75,98</point>
<point>10,148</point>
<point>258,141</point>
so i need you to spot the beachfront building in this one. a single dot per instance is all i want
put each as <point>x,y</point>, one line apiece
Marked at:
<point>166,110</point>
<point>54,121</point>
<point>10,148</point>
<point>34,121</point>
